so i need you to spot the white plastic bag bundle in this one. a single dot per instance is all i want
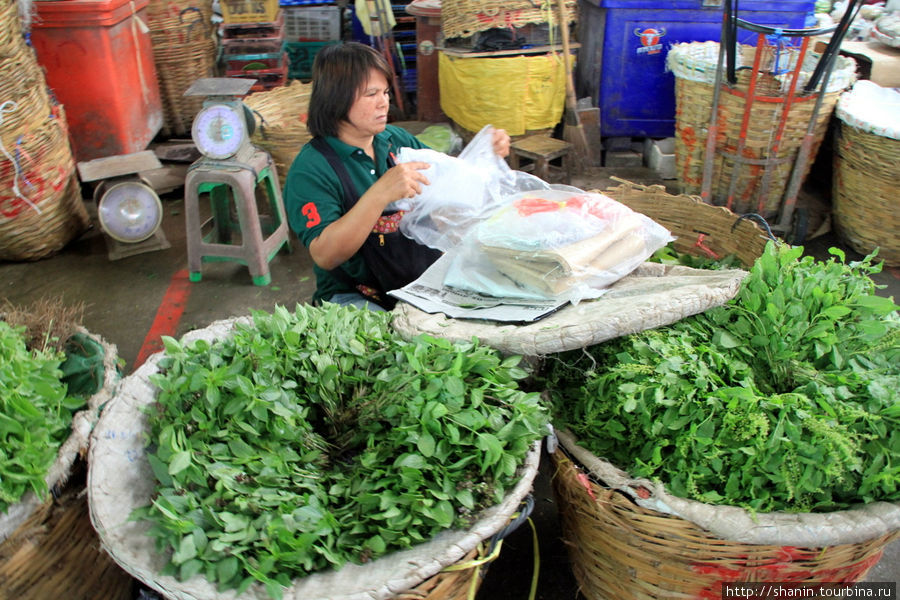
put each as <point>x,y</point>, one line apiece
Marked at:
<point>554,244</point>
<point>462,191</point>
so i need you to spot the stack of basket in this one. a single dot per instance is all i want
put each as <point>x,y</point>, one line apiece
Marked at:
<point>40,202</point>
<point>281,122</point>
<point>867,152</point>
<point>253,42</point>
<point>184,49</point>
<point>694,66</point>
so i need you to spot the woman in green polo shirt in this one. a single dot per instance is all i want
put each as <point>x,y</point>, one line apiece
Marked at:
<point>340,185</point>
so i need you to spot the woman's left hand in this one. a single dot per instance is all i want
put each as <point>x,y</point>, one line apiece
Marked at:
<point>501,143</point>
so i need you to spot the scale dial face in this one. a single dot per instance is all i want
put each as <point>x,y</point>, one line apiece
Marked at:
<point>219,131</point>
<point>130,212</point>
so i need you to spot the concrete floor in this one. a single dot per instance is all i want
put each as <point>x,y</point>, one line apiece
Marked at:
<point>122,298</point>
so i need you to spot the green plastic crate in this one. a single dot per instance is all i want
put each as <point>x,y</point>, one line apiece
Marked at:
<point>301,56</point>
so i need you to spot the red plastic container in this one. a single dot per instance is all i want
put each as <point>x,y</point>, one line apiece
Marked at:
<point>99,62</point>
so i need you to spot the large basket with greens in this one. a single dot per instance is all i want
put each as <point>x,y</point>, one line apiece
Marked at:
<point>50,400</point>
<point>310,455</point>
<point>755,442</point>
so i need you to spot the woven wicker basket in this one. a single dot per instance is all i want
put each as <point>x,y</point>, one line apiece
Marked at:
<point>49,549</point>
<point>622,551</point>
<point>184,50</point>
<point>457,582</point>
<point>281,122</point>
<point>699,229</point>
<point>866,212</point>
<point>463,18</point>
<point>40,205</point>
<point>694,67</point>
<point>56,554</point>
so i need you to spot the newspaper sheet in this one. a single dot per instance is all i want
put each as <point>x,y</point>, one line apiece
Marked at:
<point>428,294</point>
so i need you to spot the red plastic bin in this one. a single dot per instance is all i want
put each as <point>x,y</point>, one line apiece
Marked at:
<point>99,63</point>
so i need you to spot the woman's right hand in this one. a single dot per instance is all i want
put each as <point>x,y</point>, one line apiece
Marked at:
<point>404,180</point>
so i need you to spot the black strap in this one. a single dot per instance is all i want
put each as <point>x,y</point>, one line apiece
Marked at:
<point>348,199</point>
<point>351,196</point>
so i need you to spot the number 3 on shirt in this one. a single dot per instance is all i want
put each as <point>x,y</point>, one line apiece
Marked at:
<point>311,213</point>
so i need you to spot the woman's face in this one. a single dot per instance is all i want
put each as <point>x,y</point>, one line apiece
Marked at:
<point>369,113</point>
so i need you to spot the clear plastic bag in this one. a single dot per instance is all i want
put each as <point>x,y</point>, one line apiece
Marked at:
<point>463,191</point>
<point>554,244</point>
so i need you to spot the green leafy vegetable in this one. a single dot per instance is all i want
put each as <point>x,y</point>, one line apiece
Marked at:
<point>786,398</point>
<point>310,439</point>
<point>35,415</point>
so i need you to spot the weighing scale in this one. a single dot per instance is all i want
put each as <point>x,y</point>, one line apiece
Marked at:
<point>230,170</point>
<point>129,210</point>
<point>222,129</point>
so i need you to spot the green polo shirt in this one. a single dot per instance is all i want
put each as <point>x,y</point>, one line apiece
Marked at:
<point>313,196</point>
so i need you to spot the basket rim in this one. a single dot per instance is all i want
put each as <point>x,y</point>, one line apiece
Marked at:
<point>732,523</point>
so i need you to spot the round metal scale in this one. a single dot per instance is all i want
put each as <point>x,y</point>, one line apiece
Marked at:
<point>220,130</point>
<point>130,211</point>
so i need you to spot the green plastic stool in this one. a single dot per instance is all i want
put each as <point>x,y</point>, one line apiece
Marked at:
<point>227,183</point>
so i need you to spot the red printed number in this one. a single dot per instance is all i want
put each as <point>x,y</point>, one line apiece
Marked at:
<point>312,215</point>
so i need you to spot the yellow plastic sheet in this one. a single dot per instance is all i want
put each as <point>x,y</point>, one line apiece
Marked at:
<point>517,93</point>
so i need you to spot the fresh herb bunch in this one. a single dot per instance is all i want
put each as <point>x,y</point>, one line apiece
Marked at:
<point>310,439</point>
<point>786,398</point>
<point>35,414</point>
<point>668,255</point>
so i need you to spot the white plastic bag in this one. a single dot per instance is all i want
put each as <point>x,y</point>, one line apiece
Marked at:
<point>462,191</point>
<point>554,244</point>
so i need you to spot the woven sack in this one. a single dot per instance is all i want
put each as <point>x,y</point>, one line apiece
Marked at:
<point>281,122</point>
<point>120,480</point>
<point>628,538</point>
<point>184,50</point>
<point>652,296</point>
<point>694,67</point>
<point>48,548</point>
<point>867,152</point>
<point>464,18</point>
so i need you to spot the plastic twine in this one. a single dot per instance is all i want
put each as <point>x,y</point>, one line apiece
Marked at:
<point>7,107</point>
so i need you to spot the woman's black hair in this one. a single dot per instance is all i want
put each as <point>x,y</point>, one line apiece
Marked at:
<point>339,71</point>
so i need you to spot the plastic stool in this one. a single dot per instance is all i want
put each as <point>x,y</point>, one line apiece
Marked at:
<point>223,180</point>
<point>541,149</point>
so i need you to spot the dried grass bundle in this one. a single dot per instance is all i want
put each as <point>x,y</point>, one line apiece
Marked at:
<point>48,322</point>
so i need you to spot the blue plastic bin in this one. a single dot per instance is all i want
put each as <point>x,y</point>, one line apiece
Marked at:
<point>635,94</point>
